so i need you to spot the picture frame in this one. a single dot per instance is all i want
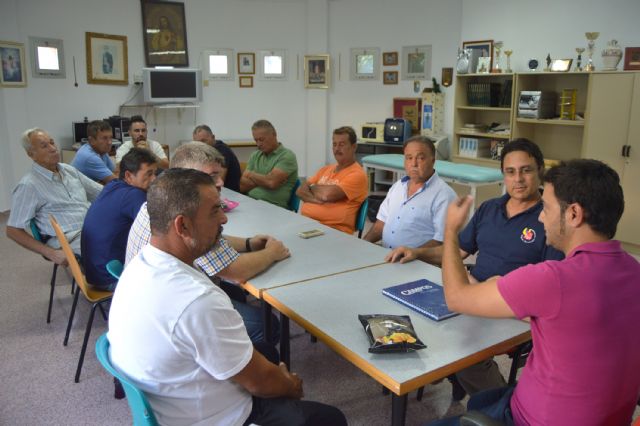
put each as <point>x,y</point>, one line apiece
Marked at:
<point>484,65</point>
<point>390,77</point>
<point>479,48</point>
<point>416,62</point>
<point>409,108</point>
<point>164,31</point>
<point>389,58</point>
<point>364,63</point>
<point>561,65</point>
<point>107,60</point>
<point>632,58</point>
<point>14,72</point>
<point>245,81</point>
<point>246,63</point>
<point>317,71</point>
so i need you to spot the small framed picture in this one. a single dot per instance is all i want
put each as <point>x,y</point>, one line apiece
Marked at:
<point>632,58</point>
<point>561,65</point>
<point>389,58</point>
<point>484,65</point>
<point>246,63</point>
<point>316,71</point>
<point>416,62</point>
<point>390,77</point>
<point>479,49</point>
<point>107,59</point>
<point>14,72</point>
<point>246,81</point>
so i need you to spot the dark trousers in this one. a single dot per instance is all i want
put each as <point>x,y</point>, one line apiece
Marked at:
<point>495,403</point>
<point>293,412</point>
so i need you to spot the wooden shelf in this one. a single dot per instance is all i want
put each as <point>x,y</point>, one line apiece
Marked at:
<point>552,121</point>
<point>484,108</point>
<point>488,162</point>
<point>484,135</point>
<point>486,75</point>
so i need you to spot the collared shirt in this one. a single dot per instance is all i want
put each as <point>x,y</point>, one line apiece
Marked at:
<point>232,178</point>
<point>412,221</point>
<point>93,165</point>
<point>154,147</point>
<point>211,263</point>
<point>505,243</point>
<point>66,195</point>
<point>283,159</point>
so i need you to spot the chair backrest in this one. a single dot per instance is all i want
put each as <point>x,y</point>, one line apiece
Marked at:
<point>114,267</point>
<point>294,201</point>
<point>140,408</point>
<point>35,232</point>
<point>361,217</point>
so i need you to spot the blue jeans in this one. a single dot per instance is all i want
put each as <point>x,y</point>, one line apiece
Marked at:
<point>252,317</point>
<point>495,403</point>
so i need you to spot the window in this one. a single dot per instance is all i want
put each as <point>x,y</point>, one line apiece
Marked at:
<point>220,64</point>
<point>272,65</point>
<point>47,57</point>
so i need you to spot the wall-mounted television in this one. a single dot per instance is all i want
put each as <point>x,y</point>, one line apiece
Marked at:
<point>179,85</point>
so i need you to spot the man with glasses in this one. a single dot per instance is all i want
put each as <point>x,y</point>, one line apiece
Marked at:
<point>505,233</point>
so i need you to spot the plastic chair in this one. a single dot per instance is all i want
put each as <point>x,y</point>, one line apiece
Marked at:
<point>114,267</point>
<point>95,297</point>
<point>140,408</point>
<point>35,233</point>
<point>361,217</point>
<point>294,201</point>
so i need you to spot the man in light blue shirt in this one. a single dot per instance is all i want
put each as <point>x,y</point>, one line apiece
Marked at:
<point>92,159</point>
<point>413,212</point>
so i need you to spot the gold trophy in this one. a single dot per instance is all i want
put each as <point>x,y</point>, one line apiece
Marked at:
<point>580,51</point>
<point>592,43</point>
<point>496,65</point>
<point>508,53</point>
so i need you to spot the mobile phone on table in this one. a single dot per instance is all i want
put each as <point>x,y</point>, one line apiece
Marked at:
<point>310,234</point>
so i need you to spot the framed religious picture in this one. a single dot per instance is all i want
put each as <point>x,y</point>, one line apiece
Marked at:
<point>14,72</point>
<point>246,63</point>
<point>317,71</point>
<point>107,61</point>
<point>390,77</point>
<point>389,58</point>
<point>164,31</point>
<point>479,49</point>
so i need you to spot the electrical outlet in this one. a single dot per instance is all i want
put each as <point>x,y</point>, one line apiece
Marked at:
<point>137,78</point>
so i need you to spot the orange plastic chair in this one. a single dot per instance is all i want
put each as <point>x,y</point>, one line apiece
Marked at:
<point>95,297</point>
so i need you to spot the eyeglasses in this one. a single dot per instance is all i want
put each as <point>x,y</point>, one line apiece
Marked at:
<point>526,171</point>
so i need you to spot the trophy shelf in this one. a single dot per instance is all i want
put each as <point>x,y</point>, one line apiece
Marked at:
<point>484,135</point>
<point>481,108</point>
<point>552,121</point>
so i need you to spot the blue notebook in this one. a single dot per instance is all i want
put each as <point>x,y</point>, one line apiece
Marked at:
<point>422,296</point>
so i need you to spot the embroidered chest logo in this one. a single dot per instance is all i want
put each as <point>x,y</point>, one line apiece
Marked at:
<point>528,235</point>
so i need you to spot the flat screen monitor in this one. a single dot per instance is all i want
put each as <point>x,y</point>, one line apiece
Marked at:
<point>172,85</point>
<point>80,131</point>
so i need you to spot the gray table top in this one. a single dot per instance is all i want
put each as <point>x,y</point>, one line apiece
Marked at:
<point>331,253</point>
<point>329,307</point>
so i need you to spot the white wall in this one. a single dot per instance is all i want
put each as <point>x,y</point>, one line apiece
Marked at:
<point>303,118</point>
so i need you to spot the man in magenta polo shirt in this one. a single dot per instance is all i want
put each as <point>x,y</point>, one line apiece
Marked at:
<point>583,310</point>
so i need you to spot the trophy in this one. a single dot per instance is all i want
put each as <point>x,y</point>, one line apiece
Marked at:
<point>592,43</point>
<point>579,50</point>
<point>496,66</point>
<point>508,53</point>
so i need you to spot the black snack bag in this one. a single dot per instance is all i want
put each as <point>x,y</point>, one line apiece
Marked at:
<point>390,333</point>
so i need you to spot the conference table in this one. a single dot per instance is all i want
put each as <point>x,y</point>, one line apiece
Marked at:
<point>328,308</point>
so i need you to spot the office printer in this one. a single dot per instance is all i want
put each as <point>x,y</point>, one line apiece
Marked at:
<point>537,104</point>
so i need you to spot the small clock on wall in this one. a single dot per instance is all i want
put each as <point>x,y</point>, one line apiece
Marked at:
<point>533,64</point>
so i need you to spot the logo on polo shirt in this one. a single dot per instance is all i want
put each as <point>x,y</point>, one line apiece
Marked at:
<point>528,235</point>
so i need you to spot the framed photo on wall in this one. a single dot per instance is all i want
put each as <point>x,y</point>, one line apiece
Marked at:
<point>14,72</point>
<point>409,108</point>
<point>390,77</point>
<point>389,58</point>
<point>479,49</point>
<point>416,62</point>
<point>107,61</point>
<point>246,81</point>
<point>317,71</point>
<point>632,58</point>
<point>246,63</point>
<point>164,31</point>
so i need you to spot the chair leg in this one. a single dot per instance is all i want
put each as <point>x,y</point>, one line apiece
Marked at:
<point>87,332</point>
<point>53,286</point>
<point>420,393</point>
<point>71,314</point>
<point>104,314</point>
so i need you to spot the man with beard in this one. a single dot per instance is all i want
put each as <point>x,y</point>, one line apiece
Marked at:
<point>138,132</point>
<point>177,336</point>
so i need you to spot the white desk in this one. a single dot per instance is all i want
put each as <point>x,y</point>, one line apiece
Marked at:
<point>328,308</point>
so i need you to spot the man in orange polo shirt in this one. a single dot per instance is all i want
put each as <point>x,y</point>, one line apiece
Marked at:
<point>335,193</point>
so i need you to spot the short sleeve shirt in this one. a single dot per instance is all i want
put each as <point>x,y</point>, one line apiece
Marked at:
<point>232,179</point>
<point>93,165</point>
<point>412,221</point>
<point>154,147</point>
<point>281,158</point>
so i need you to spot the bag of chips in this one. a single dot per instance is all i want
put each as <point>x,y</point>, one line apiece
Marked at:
<point>390,333</point>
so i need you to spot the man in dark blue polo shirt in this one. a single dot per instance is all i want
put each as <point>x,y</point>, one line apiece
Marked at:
<point>107,223</point>
<point>505,233</point>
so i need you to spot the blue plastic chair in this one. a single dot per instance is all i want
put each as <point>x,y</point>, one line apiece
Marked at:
<point>140,408</point>
<point>294,201</point>
<point>35,232</point>
<point>114,267</point>
<point>361,217</point>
